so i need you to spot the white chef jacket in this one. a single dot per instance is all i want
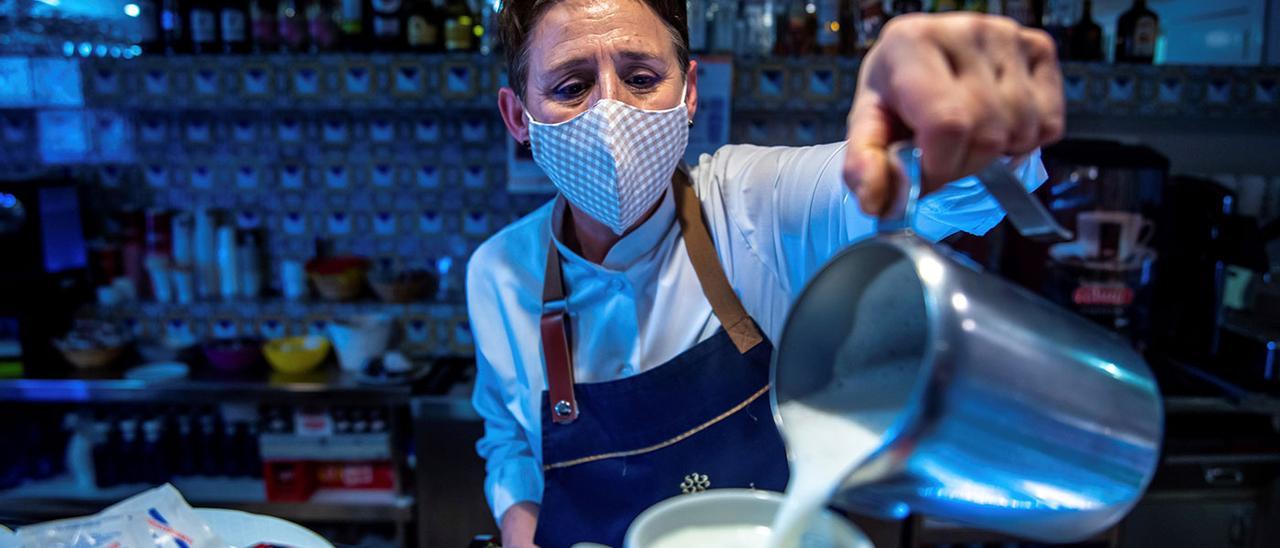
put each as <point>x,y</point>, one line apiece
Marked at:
<point>776,214</point>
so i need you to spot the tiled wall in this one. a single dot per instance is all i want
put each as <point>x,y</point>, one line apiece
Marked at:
<point>405,157</point>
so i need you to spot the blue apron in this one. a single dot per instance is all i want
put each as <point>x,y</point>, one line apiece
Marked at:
<point>699,421</point>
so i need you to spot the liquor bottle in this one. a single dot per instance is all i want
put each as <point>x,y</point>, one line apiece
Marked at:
<point>722,18</point>
<point>263,25</point>
<point>697,17</point>
<point>423,30</point>
<point>940,6</point>
<point>106,453</point>
<point>1022,11</point>
<point>352,25</point>
<point>147,25</point>
<point>155,467</point>
<point>758,32</point>
<point>386,24</point>
<point>322,25</point>
<point>1084,39</point>
<point>202,20</point>
<point>831,15</point>
<point>234,25</point>
<point>292,24</point>
<point>1136,33</point>
<point>871,18</point>
<point>172,30</point>
<point>1056,16</point>
<point>487,27</point>
<point>800,30</point>
<point>130,455</point>
<point>459,26</point>
<point>180,451</point>
<point>980,6</point>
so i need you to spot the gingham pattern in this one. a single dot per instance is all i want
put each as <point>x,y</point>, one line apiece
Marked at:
<point>614,160</point>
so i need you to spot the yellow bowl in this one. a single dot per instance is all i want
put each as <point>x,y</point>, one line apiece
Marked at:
<point>296,354</point>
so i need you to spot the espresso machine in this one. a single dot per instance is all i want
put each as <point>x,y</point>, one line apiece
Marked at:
<point>1110,196</point>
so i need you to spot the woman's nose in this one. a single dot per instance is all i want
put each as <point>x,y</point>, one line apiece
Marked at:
<point>607,87</point>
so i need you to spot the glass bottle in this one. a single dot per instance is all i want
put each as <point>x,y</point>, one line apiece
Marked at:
<point>1022,11</point>
<point>1136,33</point>
<point>173,27</point>
<point>322,24</point>
<point>292,23</point>
<point>202,22</point>
<point>907,6</point>
<point>1084,39</point>
<point>263,25</point>
<point>423,30</point>
<point>940,6</point>
<point>233,22</point>
<point>831,14</point>
<point>352,26</point>
<point>697,19</point>
<point>722,18</point>
<point>1055,18</point>
<point>386,24</point>
<point>871,18</point>
<point>459,26</point>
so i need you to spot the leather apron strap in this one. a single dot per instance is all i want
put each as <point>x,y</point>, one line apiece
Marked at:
<point>711,276</point>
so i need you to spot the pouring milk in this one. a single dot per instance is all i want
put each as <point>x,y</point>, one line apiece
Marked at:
<point>831,432</point>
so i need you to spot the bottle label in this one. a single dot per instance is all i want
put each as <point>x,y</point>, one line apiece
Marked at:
<point>1144,37</point>
<point>293,31</point>
<point>386,27</point>
<point>233,26</point>
<point>385,7</point>
<point>203,27</point>
<point>422,32</point>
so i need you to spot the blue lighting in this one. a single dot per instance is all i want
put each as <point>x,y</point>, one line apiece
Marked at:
<point>132,10</point>
<point>69,48</point>
<point>100,50</point>
<point>85,49</point>
<point>8,200</point>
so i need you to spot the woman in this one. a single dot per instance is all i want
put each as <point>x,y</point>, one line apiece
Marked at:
<point>622,330</point>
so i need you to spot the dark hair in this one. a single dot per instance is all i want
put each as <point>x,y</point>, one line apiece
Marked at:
<point>517,19</point>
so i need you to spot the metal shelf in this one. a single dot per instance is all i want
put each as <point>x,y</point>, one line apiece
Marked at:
<point>328,386</point>
<point>61,497</point>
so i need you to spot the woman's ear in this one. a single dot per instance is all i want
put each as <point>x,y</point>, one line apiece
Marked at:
<point>691,94</point>
<point>513,115</point>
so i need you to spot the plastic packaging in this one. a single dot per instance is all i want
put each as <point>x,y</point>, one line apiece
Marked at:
<point>158,518</point>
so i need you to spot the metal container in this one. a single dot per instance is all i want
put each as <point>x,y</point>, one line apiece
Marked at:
<point>1009,413</point>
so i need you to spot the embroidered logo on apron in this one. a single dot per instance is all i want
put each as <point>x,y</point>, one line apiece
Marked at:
<point>695,483</point>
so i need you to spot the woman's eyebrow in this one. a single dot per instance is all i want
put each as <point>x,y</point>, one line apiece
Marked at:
<point>567,64</point>
<point>637,55</point>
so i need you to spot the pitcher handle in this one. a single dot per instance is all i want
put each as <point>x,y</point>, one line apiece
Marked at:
<point>903,213</point>
<point>1026,213</point>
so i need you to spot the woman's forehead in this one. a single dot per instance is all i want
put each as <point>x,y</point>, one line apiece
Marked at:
<point>574,29</point>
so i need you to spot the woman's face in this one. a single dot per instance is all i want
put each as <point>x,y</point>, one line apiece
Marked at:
<point>582,51</point>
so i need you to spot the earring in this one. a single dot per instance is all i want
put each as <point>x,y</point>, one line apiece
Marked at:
<point>525,144</point>
<point>691,122</point>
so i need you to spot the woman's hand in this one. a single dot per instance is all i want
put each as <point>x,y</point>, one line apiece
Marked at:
<point>968,88</point>
<point>518,524</point>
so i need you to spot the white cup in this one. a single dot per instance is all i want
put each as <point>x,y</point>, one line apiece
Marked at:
<point>1112,235</point>
<point>358,339</point>
<point>727,511</point>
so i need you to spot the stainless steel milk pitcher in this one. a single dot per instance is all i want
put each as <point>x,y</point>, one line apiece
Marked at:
<point>1008,413</point>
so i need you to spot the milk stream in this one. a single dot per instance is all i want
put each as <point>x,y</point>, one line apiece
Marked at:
<point>830,432</point>
<point>825,448</point>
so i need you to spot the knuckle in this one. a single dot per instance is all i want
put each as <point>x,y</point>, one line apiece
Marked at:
<point>1039,42</point>
<point>949,121</point>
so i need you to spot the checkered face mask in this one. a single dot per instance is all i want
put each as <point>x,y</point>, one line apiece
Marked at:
<point>614,160</point>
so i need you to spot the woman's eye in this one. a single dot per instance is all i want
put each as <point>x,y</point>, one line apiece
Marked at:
<point>569,91</point>
<point>642,81</point>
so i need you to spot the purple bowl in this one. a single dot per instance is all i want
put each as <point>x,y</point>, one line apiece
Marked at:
<point>236,354</point>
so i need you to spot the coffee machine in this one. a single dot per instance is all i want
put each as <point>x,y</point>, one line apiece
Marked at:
<point>1109,195</point>
<point>43,270</point>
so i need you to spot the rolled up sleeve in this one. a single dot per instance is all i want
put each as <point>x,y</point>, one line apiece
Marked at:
<point>792,206</point>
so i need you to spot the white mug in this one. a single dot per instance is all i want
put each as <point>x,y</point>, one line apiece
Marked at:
<point>1112,235</point>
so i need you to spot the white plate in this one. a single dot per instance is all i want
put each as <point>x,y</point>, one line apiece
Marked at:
<point>244,529</point>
